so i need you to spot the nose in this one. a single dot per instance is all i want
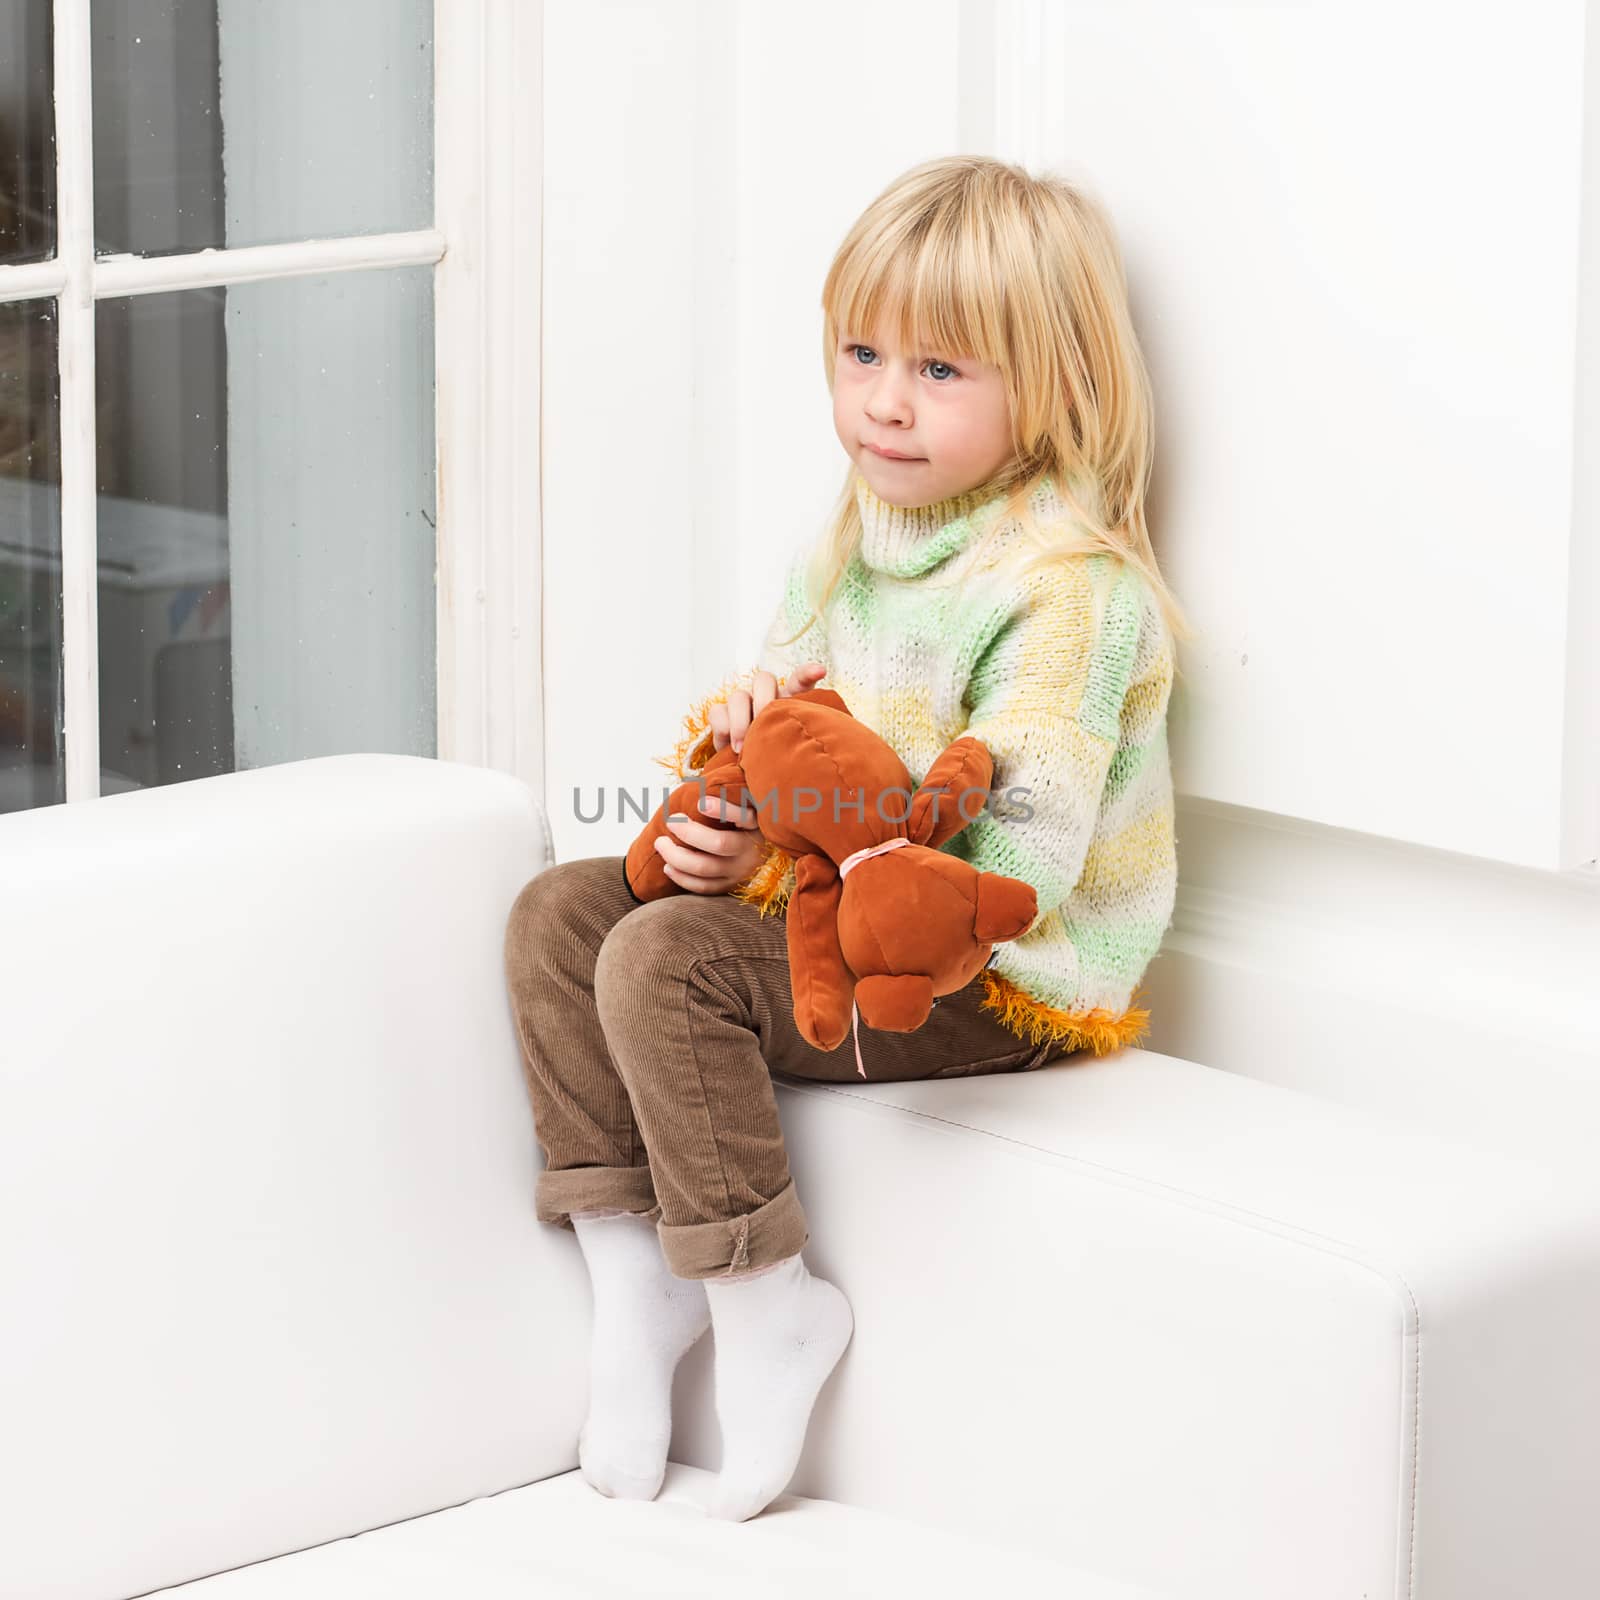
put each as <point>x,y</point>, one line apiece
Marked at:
<point>888,401</point>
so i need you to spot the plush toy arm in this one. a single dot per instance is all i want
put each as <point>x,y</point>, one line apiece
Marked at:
<point>952,794</point>
<point>1005,908</point>
<point>822,983</point>
<point>644,869</point>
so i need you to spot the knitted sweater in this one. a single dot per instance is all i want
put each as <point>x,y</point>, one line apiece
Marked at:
<point>1064,674</point>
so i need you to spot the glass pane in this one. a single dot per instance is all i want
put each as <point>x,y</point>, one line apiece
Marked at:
<point>32,772</point>
<point>27,133</point>
<point>266,522</point>
<point>237,122</point>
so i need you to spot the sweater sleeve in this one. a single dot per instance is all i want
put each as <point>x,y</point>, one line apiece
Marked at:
<point>1045,697</point>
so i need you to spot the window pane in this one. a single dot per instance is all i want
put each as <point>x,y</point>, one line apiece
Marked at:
<point>27,127</point>
<point>32,772</point>
<point>266,523</point>
<point>238,122</point>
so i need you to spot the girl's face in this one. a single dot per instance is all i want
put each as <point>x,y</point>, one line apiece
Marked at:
<point>945,417</point>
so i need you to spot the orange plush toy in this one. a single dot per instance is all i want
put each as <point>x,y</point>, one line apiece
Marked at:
<point>880,920</point>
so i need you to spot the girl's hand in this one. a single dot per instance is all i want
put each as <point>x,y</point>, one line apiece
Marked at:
<point>731,718</point>
<point>707,860</point>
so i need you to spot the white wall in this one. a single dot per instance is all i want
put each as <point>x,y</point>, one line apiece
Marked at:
<point>1358,273</point>
<point>1353,238</point>
<point>697,182</point>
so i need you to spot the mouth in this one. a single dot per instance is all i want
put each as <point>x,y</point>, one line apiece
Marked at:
<point>888,455</point>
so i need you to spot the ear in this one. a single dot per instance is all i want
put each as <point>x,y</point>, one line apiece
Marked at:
<point>822,982</point>
<point>948,799</point>
<point>1005,910</point>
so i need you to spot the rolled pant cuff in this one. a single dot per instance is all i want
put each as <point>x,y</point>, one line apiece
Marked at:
<point>558,1194</point>
<point>772,1232</point>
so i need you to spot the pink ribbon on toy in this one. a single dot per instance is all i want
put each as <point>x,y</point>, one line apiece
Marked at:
<point>854,859</point>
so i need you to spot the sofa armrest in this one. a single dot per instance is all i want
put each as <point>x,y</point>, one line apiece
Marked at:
<point>270,1258</point>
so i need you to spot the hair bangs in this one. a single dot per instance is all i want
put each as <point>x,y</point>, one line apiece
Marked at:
<point>925,283</point>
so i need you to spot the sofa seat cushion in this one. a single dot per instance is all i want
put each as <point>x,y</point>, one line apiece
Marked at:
<point>560,1537</point>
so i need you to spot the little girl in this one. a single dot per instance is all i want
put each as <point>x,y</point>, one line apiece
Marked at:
<point>988,571</point>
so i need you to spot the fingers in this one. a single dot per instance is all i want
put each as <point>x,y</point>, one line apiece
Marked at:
<point>729,719</point>
<point>727,809</point>
<point>701,871</point>
<point>689,844</point>
<point>805,677</point>
<point>763,692</point>
<point>721,883</point>
<point>694,866</point>
<point>767,687</point>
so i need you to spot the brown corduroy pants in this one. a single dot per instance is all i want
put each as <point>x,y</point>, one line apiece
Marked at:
<point>649,1034</point>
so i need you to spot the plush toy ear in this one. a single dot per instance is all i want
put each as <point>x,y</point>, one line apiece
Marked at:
<point>822,982</point>
<point>1005,910</point>
<point>952,794</point>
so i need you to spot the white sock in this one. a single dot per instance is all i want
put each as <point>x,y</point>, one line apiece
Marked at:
<point>779,1332</point>
<point>645,1318</point>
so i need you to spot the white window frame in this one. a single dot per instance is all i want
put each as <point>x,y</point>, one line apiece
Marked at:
<point>484,247</point>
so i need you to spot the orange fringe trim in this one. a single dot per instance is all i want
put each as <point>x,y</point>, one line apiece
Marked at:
<point>688,756</point>
<point>769,886</point>
<point>1099,1030</point>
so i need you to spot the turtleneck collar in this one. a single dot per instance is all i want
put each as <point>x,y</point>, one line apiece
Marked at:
<point>907,541</point>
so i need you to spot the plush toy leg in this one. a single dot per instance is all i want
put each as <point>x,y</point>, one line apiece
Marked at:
<point>897,1004</point>
<point>819,978</point>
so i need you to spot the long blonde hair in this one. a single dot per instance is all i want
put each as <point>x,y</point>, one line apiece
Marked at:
<point>974,257</point>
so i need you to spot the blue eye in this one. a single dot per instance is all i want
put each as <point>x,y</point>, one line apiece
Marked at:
<point>859,349</point>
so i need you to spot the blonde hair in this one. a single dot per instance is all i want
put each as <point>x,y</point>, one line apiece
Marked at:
<point>974,257</point>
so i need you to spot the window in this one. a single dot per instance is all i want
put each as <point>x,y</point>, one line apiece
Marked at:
<point>218,511</point>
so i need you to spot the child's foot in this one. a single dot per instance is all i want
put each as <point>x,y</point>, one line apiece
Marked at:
<point>779,1333</point>
<point>644,1321</point>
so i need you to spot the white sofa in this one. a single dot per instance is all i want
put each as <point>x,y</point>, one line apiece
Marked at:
<point>279,1317</point>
